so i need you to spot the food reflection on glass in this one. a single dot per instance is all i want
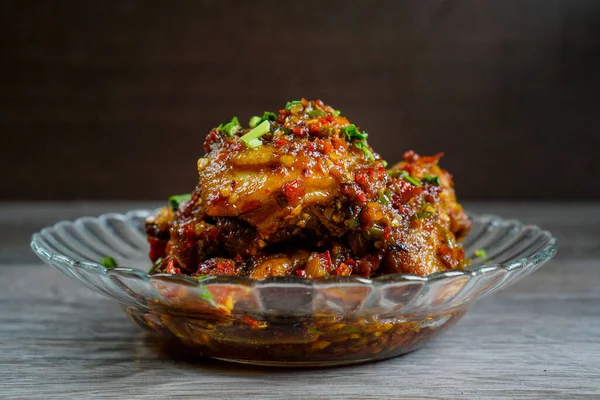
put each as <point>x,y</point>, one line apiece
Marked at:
<point>301,193</point>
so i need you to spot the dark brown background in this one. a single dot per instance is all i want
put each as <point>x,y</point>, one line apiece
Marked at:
<point>112,99</point>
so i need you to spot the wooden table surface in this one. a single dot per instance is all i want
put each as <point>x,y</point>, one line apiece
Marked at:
<point>539,339</point>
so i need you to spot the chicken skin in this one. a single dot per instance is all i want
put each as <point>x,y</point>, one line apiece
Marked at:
<point>300,192</point>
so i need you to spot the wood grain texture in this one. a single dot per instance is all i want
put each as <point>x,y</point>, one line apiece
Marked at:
<point>127,90</point>
<point>538,339</point>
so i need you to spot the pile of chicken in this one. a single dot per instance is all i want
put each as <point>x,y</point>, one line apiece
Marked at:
<point>302,193</point>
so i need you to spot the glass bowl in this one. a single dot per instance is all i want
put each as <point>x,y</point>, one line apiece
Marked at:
<point>290,321</point>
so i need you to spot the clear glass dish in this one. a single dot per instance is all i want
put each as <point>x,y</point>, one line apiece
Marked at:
<point>290,321</point>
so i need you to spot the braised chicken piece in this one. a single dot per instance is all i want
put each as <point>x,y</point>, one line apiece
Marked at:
<point>302,193</point>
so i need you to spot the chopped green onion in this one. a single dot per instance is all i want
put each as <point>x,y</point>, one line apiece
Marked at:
<point>230,128</point>
<point>385,163</point>
<point>335,113</point>
<point>108,262</point>
<point>316,113</point>
<point>423,214</point>
<point>353,134</point>
<point>155,266</point>
<point>412,180</point>
<point>251,140</point>
<point>385,196</point>
<point>177,199</point>
<point>376,232</point>
<point>365,149</point>
<point>480,253</point>
<point>254,121</point>
<point>253,143</point>
<point>352,223</point>
<point>434,180</point>
<point>292,103</point>
<point>267,116</point>
<point>405,175</point>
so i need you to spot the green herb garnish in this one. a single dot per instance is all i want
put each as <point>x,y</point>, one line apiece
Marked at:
<point>292,103</point>
<point>253,143</point>
<point>434,180</point>
<point>267,116</point>
<point>316,113</point>
<point>176,200</point>
<point>353,134</point>
<point>423,214</point>
<point>251,139</point>
<point>480,253</point>
<point>385,197</point>
<point>335,113</point>
<point>108,262</point>
<point>254,121</point>
<point>403,174</point>
<point>365,149</point>
<point>352,223</point>
<point>385,163</point>
<point>230,128</point>
<point>376,232</point>
<point>155,266</point>
<point>412,180</point>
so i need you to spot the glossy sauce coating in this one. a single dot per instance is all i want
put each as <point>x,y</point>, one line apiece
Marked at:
<point>312,199</point>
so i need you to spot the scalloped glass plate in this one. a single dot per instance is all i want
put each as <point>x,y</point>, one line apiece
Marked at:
<point>289,321</point>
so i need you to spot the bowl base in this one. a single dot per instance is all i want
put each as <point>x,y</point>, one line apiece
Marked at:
<point>304,364</point>
<point>319,342</point>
